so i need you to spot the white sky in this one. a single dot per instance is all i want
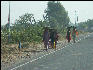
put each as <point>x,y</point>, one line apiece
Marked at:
<point>84,9</point>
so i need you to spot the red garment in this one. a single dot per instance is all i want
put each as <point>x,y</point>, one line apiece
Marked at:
<point>68,37</point>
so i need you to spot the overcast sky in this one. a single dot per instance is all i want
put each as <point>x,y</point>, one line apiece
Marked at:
<point>17,8</point>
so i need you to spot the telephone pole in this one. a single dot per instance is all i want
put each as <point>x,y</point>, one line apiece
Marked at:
<point>75,17</point>
<point>9,23</point>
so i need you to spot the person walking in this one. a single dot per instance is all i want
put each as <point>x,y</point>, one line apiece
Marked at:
<point>46,38</point>
<point>68,35</point>
<point>52,38</point>
<point>77,34</point>
<point>74,34</point>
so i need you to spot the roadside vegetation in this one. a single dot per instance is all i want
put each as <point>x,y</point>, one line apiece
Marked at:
<point>29,32</point>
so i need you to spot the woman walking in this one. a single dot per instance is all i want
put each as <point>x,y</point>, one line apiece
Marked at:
<point>68,36</point>
<point>46,38</point>
<point>74,34</point>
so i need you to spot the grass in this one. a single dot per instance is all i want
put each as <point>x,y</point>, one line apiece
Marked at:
<point>10,52</point>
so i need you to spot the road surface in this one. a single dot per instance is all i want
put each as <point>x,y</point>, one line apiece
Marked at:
<point>73,56</point>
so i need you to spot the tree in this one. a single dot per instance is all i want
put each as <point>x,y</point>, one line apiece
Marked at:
<point>86,26</point>
<point>57,15</point>
<point>24,21</point>
<point>26,29</point>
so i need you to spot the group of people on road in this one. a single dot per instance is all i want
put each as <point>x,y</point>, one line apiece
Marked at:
<point>74,34</point>
<point>50,38</point>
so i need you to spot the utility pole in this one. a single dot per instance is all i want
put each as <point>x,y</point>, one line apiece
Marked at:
<point>9,23</point>
<point>75,17</point>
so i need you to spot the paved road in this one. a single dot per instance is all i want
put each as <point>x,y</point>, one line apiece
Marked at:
<point>73,56</point>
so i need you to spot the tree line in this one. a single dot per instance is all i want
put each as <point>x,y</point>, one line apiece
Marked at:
<point>27,29</point>
<point>86,26</point>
